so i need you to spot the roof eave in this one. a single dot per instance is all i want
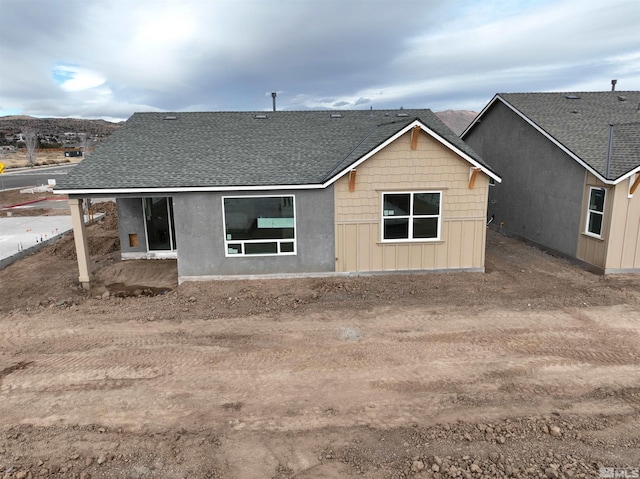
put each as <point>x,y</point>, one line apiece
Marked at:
<point>183,189</point>
<point>628,174</point>
<point>478,117</point>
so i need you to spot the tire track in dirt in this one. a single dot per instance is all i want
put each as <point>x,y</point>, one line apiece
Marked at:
<point>627,395</point>
<point>374,355</point>
<point>575,352</point>
<point>114,362</point>
<point>576,345</point>
<point>413,386</point>
<point>12,369</point>
<point>525,367</point>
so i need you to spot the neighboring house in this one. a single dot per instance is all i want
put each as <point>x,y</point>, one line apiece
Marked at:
<point>289,192</point>
<point>571,169</point>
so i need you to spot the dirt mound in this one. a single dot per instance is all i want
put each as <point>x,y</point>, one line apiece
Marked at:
<point>137,278</point>
<point>51,275</point>
<point>98,246</point>
<point>110,220</point>
<point>102,235</point>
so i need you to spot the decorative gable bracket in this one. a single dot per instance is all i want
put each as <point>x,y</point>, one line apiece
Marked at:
<point>415,132</point>
<point>634,181</point>
<point>352,180</point>
<point>473,172</point>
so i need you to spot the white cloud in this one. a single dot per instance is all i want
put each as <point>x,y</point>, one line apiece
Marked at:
<point>73,78</point>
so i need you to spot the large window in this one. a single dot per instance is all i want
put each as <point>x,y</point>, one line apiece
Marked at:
<point>411,216</point>
<point>595,211</point>
<point>259,225</point>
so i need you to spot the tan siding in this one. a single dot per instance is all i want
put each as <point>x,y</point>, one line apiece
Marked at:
<point>402,257</point>
<point>623,251</point>
<point>430,167</point>
<point>364,247</point>
<point>454,244</point>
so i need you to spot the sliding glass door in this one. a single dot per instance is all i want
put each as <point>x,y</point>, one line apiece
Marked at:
<point>158,215</point>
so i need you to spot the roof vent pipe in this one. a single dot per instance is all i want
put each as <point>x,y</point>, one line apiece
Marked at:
<point>273,95</point>
<point>613,85</point>
<point>609,144</point>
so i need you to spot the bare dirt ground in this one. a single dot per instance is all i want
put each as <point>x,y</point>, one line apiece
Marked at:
<point>529,370</point>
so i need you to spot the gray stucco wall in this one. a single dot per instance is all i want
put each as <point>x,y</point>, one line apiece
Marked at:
<point>540,197</point>
<point>131,221</point>
<point>200,236</point>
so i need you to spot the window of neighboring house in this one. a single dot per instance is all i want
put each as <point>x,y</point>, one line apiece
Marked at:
<point>411,216</point>
<point>259,225</point>
<point>595,211</point>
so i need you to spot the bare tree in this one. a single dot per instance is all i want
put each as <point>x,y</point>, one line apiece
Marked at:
<point>30,145</point>
<point>84,143</point>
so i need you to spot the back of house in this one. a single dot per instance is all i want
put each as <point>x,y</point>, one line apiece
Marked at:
<point>291,192</point>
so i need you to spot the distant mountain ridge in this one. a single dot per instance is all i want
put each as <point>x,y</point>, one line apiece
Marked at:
<point>457,120</point>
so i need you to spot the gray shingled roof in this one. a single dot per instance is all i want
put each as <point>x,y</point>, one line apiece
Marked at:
<point>582,125</point>
<point>222,149</point>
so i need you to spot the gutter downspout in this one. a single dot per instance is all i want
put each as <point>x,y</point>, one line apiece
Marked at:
<point>606,175</point>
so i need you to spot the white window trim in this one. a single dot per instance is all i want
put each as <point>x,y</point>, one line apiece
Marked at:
<point>590,212</point>
<point>410,216</point>
<point>293,240</point>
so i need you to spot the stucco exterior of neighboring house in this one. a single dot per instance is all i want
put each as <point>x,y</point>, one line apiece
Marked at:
<point>289,193</point>
<point>571,169</point>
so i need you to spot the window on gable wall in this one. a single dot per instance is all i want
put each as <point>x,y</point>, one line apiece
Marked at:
<point>411,216</point>
<point>259,225</point>
<point>595,212</point>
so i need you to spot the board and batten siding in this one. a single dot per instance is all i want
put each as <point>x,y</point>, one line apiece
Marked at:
<point>430,167</point>
<point>623,248</point>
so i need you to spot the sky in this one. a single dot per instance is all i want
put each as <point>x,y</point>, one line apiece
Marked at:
<point>110,58</point>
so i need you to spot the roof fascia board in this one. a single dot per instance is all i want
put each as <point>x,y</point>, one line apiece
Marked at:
<point>461,153</point>
<point>368,155</point>
<point>628,174</point>
<point>478,116</point>
<point>184,189</point>
<point>555,142</point>
<point>397,135</point>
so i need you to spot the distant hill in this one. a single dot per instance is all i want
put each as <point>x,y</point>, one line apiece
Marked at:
<point>457,120</point>
<point>11,125</point>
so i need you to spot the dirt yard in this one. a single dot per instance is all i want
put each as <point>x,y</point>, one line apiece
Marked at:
<point>529,370</point>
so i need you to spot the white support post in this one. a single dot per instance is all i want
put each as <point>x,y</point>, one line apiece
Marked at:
<point>80,237</point>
